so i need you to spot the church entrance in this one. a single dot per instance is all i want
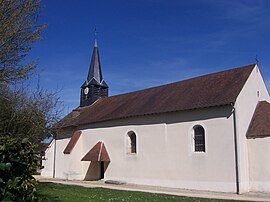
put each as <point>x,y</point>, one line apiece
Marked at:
<point>96,170</point>
<point>99,162</point>
<point>102,171</point>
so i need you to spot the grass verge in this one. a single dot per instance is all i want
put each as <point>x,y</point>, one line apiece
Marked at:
<point>58,192</point>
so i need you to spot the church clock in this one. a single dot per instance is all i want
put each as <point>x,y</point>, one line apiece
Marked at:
<point>86,91</point>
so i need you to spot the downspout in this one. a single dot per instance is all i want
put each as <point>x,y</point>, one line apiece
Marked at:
<point>54,157</point>
<point>235,149</point>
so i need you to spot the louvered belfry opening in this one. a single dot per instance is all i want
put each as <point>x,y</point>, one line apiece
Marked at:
<point>199,139</point>
<point>103,92</point>
<point>96,92</point>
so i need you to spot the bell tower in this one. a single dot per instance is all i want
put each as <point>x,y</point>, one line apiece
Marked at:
<point>94,86</point>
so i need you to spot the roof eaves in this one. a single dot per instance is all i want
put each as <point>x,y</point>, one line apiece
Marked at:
<point>149,114</point>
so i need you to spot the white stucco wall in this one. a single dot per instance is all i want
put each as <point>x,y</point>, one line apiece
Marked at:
<point>165,154</point>
<point>245,106</point>
<point>67,166</point>
<point>259,150</point>
<point>47,171</point>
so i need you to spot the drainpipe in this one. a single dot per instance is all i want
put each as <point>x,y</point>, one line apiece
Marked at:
<point>54,156</point>
<point>235,149</point>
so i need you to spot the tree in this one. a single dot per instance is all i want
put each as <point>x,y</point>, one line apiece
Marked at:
<point>18,162</point>
<point>26,116</point>
<point>26,113</point>
<point>18,30</point>
<point>22,113</point>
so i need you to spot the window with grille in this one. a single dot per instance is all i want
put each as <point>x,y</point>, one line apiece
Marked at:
<point>199,139</point>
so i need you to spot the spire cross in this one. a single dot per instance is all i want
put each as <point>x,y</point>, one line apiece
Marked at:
<point>95,33</point>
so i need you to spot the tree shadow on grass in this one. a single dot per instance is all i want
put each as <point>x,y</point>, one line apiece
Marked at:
<point>44,195</point>
<point>42,198</point>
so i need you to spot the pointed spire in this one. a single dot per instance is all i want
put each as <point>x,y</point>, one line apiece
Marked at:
<point>94,86</point>
<point>94,74</point>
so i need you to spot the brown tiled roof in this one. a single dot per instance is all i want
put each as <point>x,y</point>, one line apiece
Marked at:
<point>97,153</point>
<point>69,120</point>
<point>214,89</point>
<point>260,123</point>
<point>71,144</point>
<point>43,147</point>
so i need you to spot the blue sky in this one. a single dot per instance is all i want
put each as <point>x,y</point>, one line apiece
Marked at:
<point>144,43</point>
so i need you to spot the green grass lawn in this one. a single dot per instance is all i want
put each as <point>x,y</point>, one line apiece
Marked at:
<point>70,193</point>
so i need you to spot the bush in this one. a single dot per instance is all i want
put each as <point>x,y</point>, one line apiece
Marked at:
<point>19,159</point>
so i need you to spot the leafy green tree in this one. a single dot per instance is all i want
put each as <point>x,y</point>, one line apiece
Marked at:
<point>18,162</point>
<point>18,30</point>
<point>26,117</point>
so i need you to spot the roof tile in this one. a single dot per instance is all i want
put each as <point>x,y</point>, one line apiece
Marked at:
<point>260,123</point>
<point>214,89</point>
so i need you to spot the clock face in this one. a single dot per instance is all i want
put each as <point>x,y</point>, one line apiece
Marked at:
<point>86,91</point>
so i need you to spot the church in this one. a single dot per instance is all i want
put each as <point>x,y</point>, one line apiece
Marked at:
<point>210,132</point>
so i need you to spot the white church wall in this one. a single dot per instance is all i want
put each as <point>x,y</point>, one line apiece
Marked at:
<point>67,166</point>
<point>47,171</point>
<point>259,164</point>
<point>165,155</point>
<point>253,91</point>
<point>61,160</point>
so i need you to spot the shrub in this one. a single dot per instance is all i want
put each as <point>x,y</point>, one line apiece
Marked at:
<point>19,159</point>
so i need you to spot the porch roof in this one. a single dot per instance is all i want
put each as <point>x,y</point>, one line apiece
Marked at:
<point>97,153</point>
<point>71,144</point>
<point>260,123</point>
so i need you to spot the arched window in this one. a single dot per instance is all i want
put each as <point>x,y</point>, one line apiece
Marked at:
<point>199,139</point>
<point>131,143</point>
